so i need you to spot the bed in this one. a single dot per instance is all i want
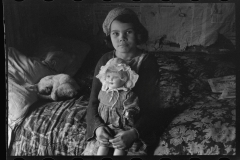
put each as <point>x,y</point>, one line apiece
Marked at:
<point>197,122</point>
<point>52,56</point>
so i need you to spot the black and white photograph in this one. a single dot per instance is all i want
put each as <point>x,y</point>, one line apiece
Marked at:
<point>129,79</point>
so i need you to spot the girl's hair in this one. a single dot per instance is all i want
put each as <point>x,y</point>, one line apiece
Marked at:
<point>140,31</point>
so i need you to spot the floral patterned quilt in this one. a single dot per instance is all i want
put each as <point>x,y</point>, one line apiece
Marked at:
<point>202,123</point>
<point>207,128</point>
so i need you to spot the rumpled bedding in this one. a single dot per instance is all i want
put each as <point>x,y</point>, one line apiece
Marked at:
<point>24,71</point>
<point>54,128</point>
<point>204,125</point>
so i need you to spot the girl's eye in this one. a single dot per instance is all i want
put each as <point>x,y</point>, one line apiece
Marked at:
<point>114,33</point>
<point>129,32</point>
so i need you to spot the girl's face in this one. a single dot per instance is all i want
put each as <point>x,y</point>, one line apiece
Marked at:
<point>123,37</point>
<point>114,80</point>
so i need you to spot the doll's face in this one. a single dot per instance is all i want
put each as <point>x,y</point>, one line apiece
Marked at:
<point>114,80</point>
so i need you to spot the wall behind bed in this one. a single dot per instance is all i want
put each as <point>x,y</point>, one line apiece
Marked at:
<point>180,26</point>
<point>171,26</point>
<point>30,21</point>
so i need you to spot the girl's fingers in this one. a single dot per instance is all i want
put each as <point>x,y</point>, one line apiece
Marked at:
<point>104,137</point>
<point>115,140</point>
<point>115,147</point>
<point>116,143</point>
<point>103,141</point>
<point>118,147</point>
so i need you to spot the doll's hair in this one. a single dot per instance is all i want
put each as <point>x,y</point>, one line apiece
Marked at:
<point>123,75</point>
<point>140,31</point>
<point>118,66</point>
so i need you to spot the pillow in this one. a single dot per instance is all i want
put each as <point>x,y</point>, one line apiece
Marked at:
<point>58,61</point>
<point>67,54</point>
<point>22,71</point>
<point>26,69</point>
<point>19,101</point>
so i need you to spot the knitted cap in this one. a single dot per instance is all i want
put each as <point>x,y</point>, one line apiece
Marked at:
<point>114,13</point>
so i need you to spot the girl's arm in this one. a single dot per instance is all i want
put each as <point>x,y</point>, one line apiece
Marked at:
<point>146,90</point>
<point>93,119</point>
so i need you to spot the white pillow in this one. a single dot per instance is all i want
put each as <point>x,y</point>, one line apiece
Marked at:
<point>22,71</point>
<point>31,70</point>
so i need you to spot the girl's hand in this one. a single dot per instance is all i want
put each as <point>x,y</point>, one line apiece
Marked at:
<point>124,139</point>
<point>103,134</point>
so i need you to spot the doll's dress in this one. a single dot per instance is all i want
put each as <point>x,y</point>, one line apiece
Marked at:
<point>113,106</point>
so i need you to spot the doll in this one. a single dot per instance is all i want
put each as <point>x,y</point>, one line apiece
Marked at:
<point>118,105</point>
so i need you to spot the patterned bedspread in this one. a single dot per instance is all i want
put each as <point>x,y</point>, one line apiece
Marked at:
<point>207,128</point>
<point>205,125</point>
<point>56,128</point>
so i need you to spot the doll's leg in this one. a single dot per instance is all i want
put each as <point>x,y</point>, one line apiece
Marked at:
<point>119,152</point>
<point>102,150</point>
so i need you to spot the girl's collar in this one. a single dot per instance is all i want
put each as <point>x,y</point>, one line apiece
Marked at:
<point>117,89</point>
<point>140,53</point>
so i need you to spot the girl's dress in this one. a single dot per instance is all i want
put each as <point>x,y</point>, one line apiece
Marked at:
<point>139,147</point>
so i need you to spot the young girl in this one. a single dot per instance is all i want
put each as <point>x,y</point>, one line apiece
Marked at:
<point>124,32</point>
<point>118,104</point>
